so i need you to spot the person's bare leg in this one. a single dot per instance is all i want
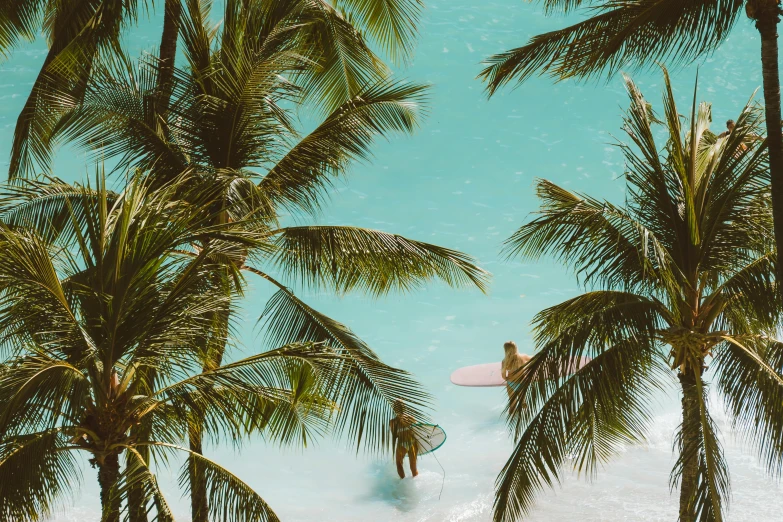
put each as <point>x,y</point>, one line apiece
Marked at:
<point>412,461</point>
<point>398,456</point>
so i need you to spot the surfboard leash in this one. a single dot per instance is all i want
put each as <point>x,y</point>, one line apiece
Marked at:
<point>444,476</point>
<point>443,483</point>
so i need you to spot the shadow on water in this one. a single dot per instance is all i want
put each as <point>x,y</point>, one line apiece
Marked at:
<point>386,486</point>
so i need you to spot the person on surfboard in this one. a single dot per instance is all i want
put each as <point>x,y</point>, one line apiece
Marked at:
<point>404,439</point>
<point>512,363</point>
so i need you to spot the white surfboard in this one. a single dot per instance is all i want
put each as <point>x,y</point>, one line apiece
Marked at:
<point>429,437</point>
<point>489,374</point>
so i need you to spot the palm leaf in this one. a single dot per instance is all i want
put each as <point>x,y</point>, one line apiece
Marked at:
<point>137,474</point>
<point>618,35</point>
<point>280,392</point>
<point>230,499</point>
<point>78,31</point>
<point>600,407</point>
<point>364,387</point>
<point>713,487</point>
<point>751,387</point>
<point>392,23</point>
<point>38,393</point>
<point>299,178</point>
<point>345,63</point>
<point>35,470</point>
<point>346,258</point>
<point>604,243</point>
<point>18,20</point>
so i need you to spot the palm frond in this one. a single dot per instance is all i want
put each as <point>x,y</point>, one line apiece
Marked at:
<point>748,296</point>
<point>604,243</point>
<point>36,470</point>
<point>345,64</point>
<point>49,206</point>
<point>18,20</point>
<point>712,492</point>
<point>35,307</point>
<point>603,405</point>
<point>347,258</point>
<point>38,393</point>
<point>299,178</point>
<point>78,31</point>
<point>619,34</point>
<point>655,182</point>
<point>364,388</point>
<point>585,325</point>
<point>752,391</point>
<point>230,499</point>
<point>392,23</point>
<point>137,474</point>
<point>115,117</point>
<point>280,392</point>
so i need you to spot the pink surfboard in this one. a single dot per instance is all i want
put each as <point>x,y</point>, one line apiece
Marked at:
<point>479,375</point>
<point>489,374</point>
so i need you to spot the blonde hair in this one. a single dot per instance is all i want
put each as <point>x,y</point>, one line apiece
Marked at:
<point>508,345</point>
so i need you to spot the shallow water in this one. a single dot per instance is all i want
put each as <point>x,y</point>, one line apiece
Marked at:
<point>465,181</point>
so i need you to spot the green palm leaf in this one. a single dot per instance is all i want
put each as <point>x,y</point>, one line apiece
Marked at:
<point>299,178</point>
<point>392,23</point>
<point>602,406</point>
<point>750,384</point>
<point>365,388</point>
<point>347,258</point>
<point>36,470</point>
<point>78,30</point>
<point>620,34</point>
<point>230,499</point>
<point>18,20</point>
<point>138,475</point>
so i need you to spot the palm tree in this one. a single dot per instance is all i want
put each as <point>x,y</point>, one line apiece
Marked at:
<point>230,119</point>
<point>680,278</point>
<point>101,319</point>
<point>331,40</point>
<point>638,32</point>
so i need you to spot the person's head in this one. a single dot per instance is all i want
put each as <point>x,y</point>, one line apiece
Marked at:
<point>398,407</point>
<point>510,347</point>
<point>730,125</point>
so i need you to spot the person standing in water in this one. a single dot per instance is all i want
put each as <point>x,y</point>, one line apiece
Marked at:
<point>513,361</point>
<point>405,443</point>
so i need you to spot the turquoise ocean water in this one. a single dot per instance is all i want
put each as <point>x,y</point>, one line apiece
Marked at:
<point>465,181</point>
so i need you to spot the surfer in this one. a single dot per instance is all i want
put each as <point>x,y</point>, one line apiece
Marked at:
<point>405,442</point>
<point>729,128</point>
<point>512,363</point>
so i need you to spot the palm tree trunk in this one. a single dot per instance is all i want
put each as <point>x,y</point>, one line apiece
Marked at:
<point>168,53</point>
<point>108,476</point>
<point>199,508</point>
<point>137,499</point>
<point>767,18</point>
<point>214,348</point>
<point>137,506</point>
<point>689,448</point>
